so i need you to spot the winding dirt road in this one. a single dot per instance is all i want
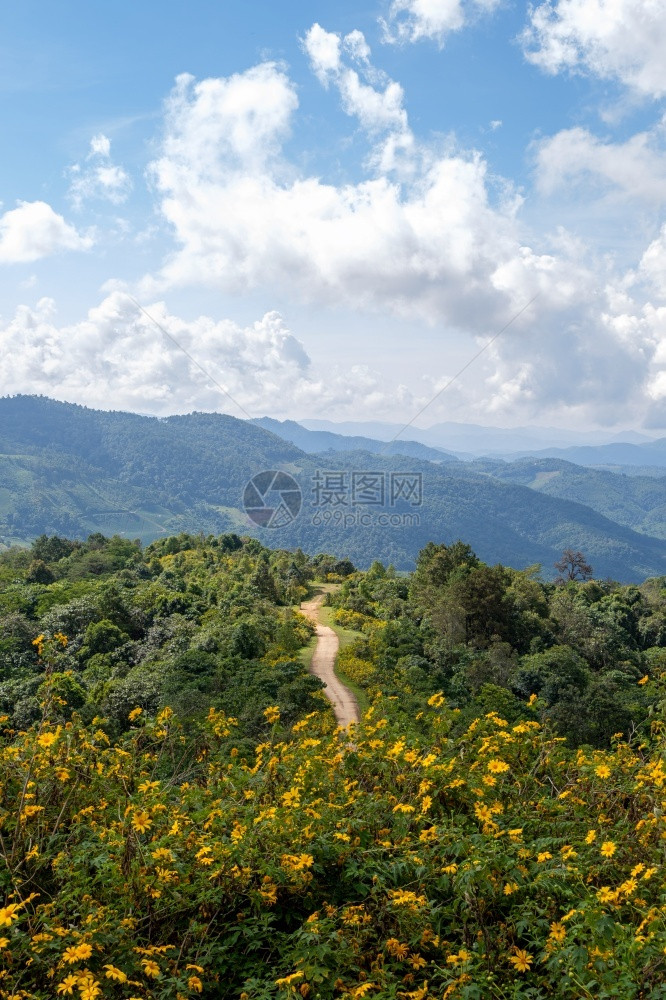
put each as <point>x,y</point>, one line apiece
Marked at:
<point>323,665</point>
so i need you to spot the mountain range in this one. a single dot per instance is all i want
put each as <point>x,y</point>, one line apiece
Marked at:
<point>73,471</point>
<point>469,440</point>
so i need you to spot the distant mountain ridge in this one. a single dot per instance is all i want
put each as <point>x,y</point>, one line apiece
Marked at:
<point>475,439</point>
<point>617,454</point>
<point>70,470</point>
<point>314,442</point>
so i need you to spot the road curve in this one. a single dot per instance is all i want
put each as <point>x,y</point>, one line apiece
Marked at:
<point>322,666</point>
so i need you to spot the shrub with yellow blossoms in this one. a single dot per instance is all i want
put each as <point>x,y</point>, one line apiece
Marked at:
<point>326,865</point>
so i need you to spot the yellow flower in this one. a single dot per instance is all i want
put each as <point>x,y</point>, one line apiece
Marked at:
<point>603,771</point>
<point>521,960</point>
<point>395,948</point>
<point>4,941</point>
<point>151,968</point>
<point>482,812</point>
<point>195,983</point>
<point>77,953</point>
<point>510,887</point>
<point>644,679</point>
<point>436,700</point>
<point>497,766</point>
<point>591,836</point>
<point>288,980</point>
<point>113,973</point>
<point>68,984</point>
<point>141,821</point>
<point>272,713</point>
<point>62,773</point>
<point>608,848</point>
<point>291,798</point>
<point>417,961</point>
<point>558,932</point>
<point>148,786</point>
<point>31,811</point>
<point>134,714</point>
<point>544,856</point>
<point>532,698</point>
<point>162,854</point>
<point>89,989</point>
<point>47,739</point>
<point>7,914</point>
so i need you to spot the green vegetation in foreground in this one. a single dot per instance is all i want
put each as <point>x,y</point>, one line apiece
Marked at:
<point>179,818</point>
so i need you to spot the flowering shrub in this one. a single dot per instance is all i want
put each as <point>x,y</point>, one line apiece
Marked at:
<point>384,864</point>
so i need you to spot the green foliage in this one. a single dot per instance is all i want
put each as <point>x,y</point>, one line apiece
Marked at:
<point>491,638</point>
<point>193,620</point>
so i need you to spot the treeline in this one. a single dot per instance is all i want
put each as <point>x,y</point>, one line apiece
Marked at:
<point>189,621</point>
<point>492,638</point>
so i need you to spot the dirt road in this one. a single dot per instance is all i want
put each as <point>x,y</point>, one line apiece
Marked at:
<point>323,665</point>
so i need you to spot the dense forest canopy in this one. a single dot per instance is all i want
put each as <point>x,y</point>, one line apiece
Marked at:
<point>179,815</point>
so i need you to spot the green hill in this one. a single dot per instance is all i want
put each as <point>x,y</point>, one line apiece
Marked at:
<point>639,502</point>
<point>69,470</point>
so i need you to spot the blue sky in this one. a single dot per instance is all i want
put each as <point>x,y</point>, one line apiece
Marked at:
<point>337,207</point>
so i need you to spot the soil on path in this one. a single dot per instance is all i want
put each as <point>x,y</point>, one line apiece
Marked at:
<point>323,665</point>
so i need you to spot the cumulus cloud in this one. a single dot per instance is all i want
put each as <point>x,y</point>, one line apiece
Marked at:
<point>613,39</point>
<point>635,168</point>
<point>99,177</point>
<point>366,94</point>
<point>117,353</point>
<point>34,230</point>
<point>653,265</point>
<point>413,20</point>
<point>428,237</point>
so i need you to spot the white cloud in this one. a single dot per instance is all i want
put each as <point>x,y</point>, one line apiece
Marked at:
<point>33,230</point>
<point>413,20</point>
<point>613,39</point>
<point>423,239</point>
<point>99,177</point>
<point>653,264</point>
<point>426,244</point>
<point>100,145</point>
<point>116,353</point>
<point>635,169</point>
<point>370,96</point>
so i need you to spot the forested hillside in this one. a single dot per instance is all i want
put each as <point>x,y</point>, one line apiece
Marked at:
<point>72,471</point>
<point>179,816</point>
<point>637,501</point>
